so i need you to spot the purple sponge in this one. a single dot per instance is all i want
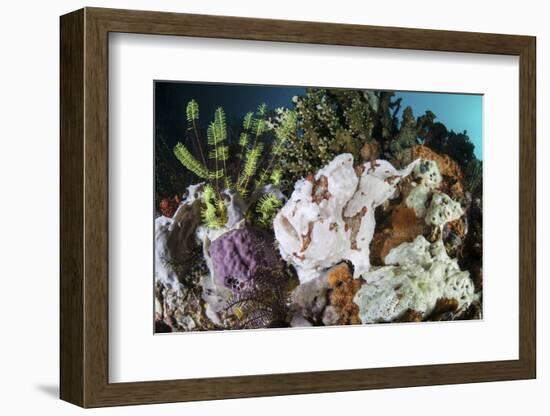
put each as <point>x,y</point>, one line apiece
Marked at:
<point>240,256</point>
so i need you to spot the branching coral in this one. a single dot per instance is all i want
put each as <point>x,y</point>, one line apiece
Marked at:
<point>363,123</point>
<point>326,122</point>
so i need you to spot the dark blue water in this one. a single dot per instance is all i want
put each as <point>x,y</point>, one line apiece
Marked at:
<point>458,112</point>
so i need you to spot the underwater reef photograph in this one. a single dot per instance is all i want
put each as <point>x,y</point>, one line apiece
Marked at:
<point>289,206</point>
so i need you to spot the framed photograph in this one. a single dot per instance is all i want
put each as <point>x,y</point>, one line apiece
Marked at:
<point>263,207</point>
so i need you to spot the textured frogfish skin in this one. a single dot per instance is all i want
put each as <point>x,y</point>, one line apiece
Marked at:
<point>242,255</point>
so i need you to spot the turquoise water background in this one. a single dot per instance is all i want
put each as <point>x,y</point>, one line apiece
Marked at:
<point>458,112</point>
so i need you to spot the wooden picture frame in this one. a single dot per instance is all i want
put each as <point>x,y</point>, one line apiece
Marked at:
<point>84,207</point>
